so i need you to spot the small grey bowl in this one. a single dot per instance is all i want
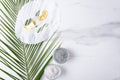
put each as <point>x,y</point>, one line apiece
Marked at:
<point>61,55</point>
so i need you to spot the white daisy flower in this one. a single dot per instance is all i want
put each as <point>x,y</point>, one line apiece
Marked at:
<point>36,21</point>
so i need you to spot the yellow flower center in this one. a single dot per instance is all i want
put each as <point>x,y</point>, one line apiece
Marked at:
<point>43,16</point>
<point>30,26</point>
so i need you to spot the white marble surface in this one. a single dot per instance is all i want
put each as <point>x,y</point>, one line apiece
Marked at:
<point>91,31</point>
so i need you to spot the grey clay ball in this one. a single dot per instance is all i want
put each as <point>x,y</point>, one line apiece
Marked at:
<point>61,55</point>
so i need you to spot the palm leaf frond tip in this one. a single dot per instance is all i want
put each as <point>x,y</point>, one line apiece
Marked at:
<point>26,61</point>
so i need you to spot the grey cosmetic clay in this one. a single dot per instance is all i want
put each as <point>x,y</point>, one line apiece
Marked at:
<point>61,55</point>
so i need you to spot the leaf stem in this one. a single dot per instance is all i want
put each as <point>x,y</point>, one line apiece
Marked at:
<point>26,63</point>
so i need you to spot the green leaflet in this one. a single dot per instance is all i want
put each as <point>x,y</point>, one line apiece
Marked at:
<point>37,13</point>
<point>41,28</point>
<point>28,21</point>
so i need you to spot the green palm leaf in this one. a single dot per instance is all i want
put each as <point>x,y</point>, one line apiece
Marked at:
<point>27,61</point>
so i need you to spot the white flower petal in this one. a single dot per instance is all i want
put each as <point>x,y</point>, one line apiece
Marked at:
<point>31,36</point>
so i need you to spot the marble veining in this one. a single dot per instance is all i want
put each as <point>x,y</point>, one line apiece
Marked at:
<point>93,35</point>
